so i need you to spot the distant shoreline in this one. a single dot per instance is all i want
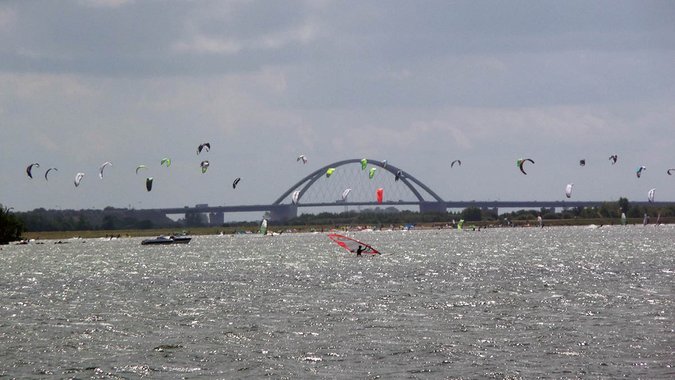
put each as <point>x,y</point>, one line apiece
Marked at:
<point>199,231</point>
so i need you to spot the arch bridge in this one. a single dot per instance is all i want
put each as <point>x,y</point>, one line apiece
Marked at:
<point>354,182</point>
<point>318,190</point>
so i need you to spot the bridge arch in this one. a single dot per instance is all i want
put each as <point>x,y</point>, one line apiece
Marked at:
<point>432,202</point>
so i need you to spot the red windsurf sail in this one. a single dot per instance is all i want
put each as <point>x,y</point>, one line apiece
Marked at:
<point>352,244</point>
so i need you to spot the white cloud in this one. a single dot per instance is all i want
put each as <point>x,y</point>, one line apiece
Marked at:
<point>105,3</point>
<point>45,141</point>
<point>208,45</point>
<point>301,34</point>
<point>85,82</point>
<point>200,43</point>
<point>7,17</point>
<point>34,87</point>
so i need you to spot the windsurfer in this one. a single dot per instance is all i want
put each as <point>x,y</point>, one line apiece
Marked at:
<point>352,245</point>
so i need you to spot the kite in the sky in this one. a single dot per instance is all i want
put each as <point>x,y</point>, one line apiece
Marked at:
<point>613,158</point>
<point>582,162</point>
<point>165,161</point>
<point>455,162</point>
<point>639,170</point>
<point>568,190</point>
<point>345,194</point>
<point>650,195</point>
<point>29,169</point>
<point>371,173</point>
<point>236,182</point>
<point>203,146</point>
<point>204,165</point>
<point>670,171</point>
<point>139,167</point>
<point>521,162</point>
<point>148,183</point>
<point>78,179</point>
<point>103,166</point>
<point>330,172</point>
<point>398,175</point>
<point>302,158</point>
<point>364,164</point>
<point>295,197</point>
<point>47,172</point>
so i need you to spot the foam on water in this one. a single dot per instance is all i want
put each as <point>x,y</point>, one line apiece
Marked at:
<point>496,303</point>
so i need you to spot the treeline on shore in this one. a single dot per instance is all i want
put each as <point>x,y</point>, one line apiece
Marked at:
<point>607,213</point>
<point>109,218</point>
<point>13,224</point>
<point>11,227</point>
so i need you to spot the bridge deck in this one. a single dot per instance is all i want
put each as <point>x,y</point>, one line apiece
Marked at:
<point>448,205</point>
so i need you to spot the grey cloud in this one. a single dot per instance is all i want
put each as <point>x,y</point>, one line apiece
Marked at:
<point>409,81</point>
<point>140,38</point>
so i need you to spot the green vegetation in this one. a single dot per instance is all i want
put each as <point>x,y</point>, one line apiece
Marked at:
<point>11,227</point>
<point>82,220</point>
<point>607,213</point>
<point>125,222</point>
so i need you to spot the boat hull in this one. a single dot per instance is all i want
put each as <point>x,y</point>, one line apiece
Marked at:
<point>162,240</point>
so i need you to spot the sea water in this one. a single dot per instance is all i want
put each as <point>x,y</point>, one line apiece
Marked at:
<point>559,302</point>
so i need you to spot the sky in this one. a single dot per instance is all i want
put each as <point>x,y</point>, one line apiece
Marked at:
<point>416,83</point>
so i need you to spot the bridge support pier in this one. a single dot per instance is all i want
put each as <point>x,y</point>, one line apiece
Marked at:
<point>216,218</point>
<point>493,210</point>
<point>282,213</point>
<point>432,207</point>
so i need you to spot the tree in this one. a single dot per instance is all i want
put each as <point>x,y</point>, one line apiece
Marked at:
<point>109,222</point>
<point>11,227</point>
<point>623,204</point>
<point>82,223</point>
<point>471,214</point>
<point>144,224</point>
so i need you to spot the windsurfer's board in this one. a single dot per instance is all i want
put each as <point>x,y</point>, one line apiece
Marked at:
<point>352,245</point>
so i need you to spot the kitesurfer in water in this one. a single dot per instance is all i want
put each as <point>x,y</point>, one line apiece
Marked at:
<point>359,250</point>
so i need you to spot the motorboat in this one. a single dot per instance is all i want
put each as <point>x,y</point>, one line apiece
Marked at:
<point>181,239</point>
<point>167,240</point>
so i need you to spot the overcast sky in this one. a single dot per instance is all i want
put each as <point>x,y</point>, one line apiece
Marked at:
<point>418,83</point>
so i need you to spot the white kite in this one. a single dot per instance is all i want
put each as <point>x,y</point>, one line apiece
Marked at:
<point>103,166</point>
<point>568,190</point>
<point>345,194</point>
<point>78,179</point>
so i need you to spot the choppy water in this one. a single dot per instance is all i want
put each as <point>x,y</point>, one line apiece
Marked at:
<point>500,303</point>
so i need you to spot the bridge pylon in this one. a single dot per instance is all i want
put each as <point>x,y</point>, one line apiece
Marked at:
<point>425,198</point>
<point>283,212</point>
<point>433,207</point>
